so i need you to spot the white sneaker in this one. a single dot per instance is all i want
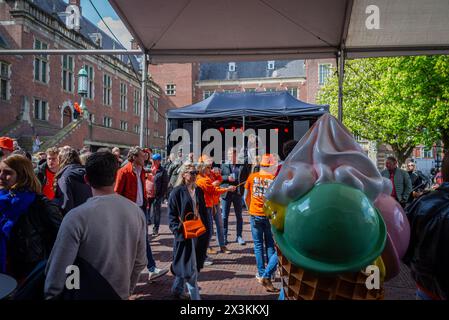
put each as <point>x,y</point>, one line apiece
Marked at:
<point>208,262</point>
<point>156,273</point>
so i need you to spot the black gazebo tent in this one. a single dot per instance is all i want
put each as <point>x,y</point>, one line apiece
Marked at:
<point>279,110</point>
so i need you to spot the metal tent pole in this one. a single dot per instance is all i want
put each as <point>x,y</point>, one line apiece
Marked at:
<point>166,134</point>
<point>142,99</point>
<point>341,74</point>
<point>244,145</point>
<point>108,52</point>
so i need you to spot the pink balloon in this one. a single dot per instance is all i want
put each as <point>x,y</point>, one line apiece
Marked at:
<point>398,230</point>
<point>391,260</point>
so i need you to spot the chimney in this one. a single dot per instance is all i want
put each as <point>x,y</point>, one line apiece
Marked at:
<point>76,3</point>
<point>134,44</point>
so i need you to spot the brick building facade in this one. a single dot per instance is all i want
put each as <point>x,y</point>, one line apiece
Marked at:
<point>39,92</point>
<point>184,84</point>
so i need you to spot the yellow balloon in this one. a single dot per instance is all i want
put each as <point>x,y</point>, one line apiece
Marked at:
<point>382,269</point>
<point>276,213</point>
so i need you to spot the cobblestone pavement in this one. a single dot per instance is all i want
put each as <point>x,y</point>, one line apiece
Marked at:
<point>232,276</point>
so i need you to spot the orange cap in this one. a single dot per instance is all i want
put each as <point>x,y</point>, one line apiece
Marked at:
<point>205,159</point>
<point>7,143</point>
<point>267,160</point>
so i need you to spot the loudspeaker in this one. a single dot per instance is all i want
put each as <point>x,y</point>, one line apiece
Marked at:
<point>300,128</point>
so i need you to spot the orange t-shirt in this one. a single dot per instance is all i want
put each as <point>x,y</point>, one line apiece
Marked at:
<point>257,185</point>
<point>215,177</point>
<point>205,183</point>
<point>48,189</point>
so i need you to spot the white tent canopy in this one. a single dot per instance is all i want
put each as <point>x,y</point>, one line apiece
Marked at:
<point>228,30</point>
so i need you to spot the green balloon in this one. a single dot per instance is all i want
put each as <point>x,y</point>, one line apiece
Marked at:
<point>333,228</point>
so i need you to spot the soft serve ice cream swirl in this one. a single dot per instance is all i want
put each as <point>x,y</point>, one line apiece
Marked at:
<point>327,153</point>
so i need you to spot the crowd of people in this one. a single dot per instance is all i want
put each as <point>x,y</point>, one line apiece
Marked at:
<point>94,210</point>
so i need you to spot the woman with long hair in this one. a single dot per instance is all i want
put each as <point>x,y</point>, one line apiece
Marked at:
<point>188,254</point>
<point>70,188</point>
<point>210,190</point>
<point>29,222</point>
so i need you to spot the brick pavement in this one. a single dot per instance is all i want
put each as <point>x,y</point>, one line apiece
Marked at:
<point>232,276</point>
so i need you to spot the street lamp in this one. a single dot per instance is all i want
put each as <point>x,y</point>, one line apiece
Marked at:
<point>82,89</point>
<point>438,151</point>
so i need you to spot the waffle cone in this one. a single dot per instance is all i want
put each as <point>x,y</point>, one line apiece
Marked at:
<point>300,284</point>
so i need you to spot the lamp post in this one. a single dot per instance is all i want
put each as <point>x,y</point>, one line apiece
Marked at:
<point>438,155</point>
<point>82,90</point>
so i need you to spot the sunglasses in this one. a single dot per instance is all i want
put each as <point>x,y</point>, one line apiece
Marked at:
<point>193,173</point>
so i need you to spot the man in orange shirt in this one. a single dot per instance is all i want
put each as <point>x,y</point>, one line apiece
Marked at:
<point>46,172</point>
<point>256,186</point>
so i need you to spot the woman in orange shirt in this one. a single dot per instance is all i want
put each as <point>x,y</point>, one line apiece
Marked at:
<point>217,179</point>
<point>212,192</point>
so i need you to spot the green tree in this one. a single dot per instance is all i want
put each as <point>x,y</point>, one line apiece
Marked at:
<point>399,101</point>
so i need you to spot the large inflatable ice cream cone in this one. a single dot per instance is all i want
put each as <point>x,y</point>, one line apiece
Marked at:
<point>300,284</point>
<point>327,217</point>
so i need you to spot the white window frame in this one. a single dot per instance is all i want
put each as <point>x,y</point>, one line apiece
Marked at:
<point>42,62</point>
<point>231,66</point>
<point>137,129</point>
<point>107,89</point>
<point>42,109</point>
<point>123,125</point>
<point>123,96</point>
<point>270,65</point>
<point>107,122</point>
<point>5,77</point>
<point>156,134</point>
<point>136,105</point>
<point>207,94</point>
<point>156,110</point>
<point>427,154</point>
<point>322,77</point>
<point>170,89</point>
<point>90,81</point>
<point>292,90</point>
<point>68,74</point>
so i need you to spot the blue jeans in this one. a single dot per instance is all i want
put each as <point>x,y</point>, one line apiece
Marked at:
<point>191,283</point>
<point>262,237</point>
<point>148,210</point>
<point>211,222</point>
<point>192,286</point>
<point>235,199</point>
<point>281,294</point>
<point>218,225</point>
<point>151,263</point>
<point>156,216</point>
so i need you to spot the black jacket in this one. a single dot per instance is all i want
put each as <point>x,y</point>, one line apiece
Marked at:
<point>33,236</point>
<point>71,190</point>
<point>226,170</point>
<point>41,173</point>
<point>428,251</point>
<point>179,204</point>
<point>160,182</point>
